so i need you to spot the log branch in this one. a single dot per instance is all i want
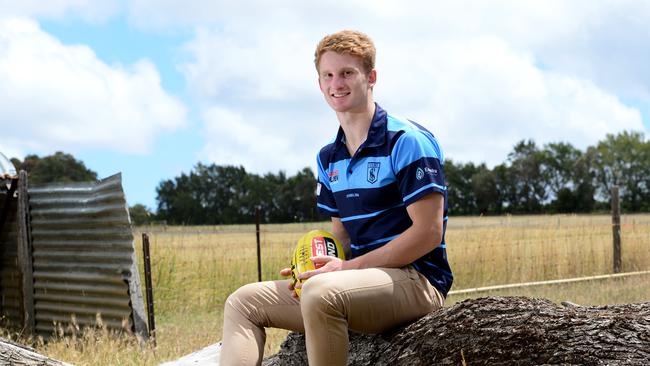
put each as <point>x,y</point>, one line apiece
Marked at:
<point>19,355</point>
<point>502,331</point>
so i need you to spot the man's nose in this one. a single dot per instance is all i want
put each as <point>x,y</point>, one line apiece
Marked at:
<point>338,81</point>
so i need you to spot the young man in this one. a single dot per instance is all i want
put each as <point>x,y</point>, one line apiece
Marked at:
<point>381,180</point>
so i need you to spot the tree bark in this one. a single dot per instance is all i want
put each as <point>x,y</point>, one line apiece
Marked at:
<point>502,331</point>
<point>18,355</point>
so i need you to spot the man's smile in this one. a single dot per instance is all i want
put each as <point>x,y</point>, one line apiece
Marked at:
<point>339,94</point>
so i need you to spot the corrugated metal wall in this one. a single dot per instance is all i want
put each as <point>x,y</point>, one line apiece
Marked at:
<point>10,280</point>
<point>84,256</point>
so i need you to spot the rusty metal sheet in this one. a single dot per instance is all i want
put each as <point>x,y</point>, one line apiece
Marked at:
<point>10,280</point>
<point>84,262</point>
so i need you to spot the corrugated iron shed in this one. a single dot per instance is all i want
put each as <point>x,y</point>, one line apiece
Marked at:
<point>83,264</point>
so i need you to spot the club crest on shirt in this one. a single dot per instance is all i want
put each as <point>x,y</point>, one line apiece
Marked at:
<point>419,174</point>
<point>373,171</point>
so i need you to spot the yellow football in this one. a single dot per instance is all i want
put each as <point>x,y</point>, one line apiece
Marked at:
<point>315,242</point>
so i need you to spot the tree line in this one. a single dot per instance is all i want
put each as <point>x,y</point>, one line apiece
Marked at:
<point>58,167</point>
<point>213,194</point>
<point>554,178</point>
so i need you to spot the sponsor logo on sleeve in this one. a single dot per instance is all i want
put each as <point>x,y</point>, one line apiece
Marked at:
<point>420,173</point>
<point>318,186</point>
<point>431,171</point>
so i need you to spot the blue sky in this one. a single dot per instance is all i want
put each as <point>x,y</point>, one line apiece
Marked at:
<point>116,42</point>
<point>150,88</point>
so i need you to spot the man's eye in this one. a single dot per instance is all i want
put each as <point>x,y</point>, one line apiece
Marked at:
<point>347,73</point>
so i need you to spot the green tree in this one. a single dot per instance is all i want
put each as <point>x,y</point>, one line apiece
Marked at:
<point>209,195</point>
<point>301,197</point>
<point>567,173</point>
<point>176,204</point>
<point>140,214</point>
<point>486,191</point>
<point>526,178</point>
<point>558,161</point>
<point>60,167</point>
<point>506,188</point>
<point>460,194</point>
<point>212,194</point>
<point>623,160</point>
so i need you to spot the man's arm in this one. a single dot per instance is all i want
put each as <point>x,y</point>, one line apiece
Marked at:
<point>342,235</point>
<point>424,235</point>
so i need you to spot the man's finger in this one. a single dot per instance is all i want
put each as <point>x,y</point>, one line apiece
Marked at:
<point>321,259</point>
<point>309,274</point>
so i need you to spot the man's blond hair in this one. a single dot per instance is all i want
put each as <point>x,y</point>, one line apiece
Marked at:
<point>349,42</point>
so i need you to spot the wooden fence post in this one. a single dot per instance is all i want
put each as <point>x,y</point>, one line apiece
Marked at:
<point>616,228</point>
<point>24,255</point>
<point>151,318</point>
<point>257,234</point>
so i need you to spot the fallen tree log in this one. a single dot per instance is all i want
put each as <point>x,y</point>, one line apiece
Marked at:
<point>502,331</point>
<point>19,355</point>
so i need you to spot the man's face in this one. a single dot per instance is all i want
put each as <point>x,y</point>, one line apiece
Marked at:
<point>344,83</point>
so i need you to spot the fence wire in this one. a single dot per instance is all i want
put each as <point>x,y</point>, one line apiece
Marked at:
<point>207,263</point>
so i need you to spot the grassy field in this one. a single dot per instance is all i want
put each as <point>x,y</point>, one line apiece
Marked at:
<point>195,268</point>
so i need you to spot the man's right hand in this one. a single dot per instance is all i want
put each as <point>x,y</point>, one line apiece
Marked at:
<point>286,272</point>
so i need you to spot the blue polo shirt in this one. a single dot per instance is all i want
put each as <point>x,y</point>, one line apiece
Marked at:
<point>399,163</point>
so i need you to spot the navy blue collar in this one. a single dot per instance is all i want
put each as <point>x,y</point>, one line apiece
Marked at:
<point>376,132</point>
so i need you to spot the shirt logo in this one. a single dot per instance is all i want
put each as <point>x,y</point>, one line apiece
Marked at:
<point>431,171</point>
<point>333,176</point>
<point>373,171</point>
<point>419,174</point>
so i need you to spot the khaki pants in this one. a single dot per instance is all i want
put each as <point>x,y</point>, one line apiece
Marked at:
<point>367,300</point>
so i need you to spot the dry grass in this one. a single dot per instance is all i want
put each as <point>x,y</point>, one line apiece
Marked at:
<point>601,292</point>
<point>195,268</point>
<point>508,249</point>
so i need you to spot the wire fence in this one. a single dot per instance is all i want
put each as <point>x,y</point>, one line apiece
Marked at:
<point>206,263</point>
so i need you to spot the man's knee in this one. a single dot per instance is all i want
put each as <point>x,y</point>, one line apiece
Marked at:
<point>241,299</point>
<point>318,294</point>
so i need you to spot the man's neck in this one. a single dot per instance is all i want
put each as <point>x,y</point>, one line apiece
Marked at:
<point>355,126</point>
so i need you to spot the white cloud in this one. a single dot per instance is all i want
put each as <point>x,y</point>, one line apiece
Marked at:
<point>89,10</point>
<point>161,15</point>
<point>61,97</point>
<point>243,66</point>
<point>481,77</point>
<point>481,96</point>
<point>249,138</point>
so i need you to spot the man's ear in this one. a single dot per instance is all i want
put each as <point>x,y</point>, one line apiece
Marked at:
<point>372,77</point>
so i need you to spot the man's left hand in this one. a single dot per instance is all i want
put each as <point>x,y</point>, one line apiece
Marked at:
<point>327,263</point>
